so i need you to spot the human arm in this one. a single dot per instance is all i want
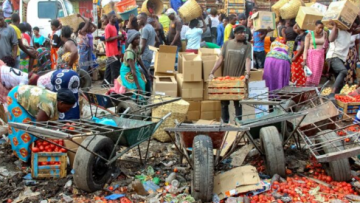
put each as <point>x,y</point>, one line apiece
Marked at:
<point>140,62</point>
<point>334,32</point>
<point>14,51</point>
<point>262,35</point>
<point>109,37</point>
<point>178,27</point>
<point>306,48</point>
<point>283,34</point>
<point>70,47</point>
<point>145,34</point>
<point>42,116</point>
<point>216,67</point>
<point>84,30</point>
<point>299,52</point>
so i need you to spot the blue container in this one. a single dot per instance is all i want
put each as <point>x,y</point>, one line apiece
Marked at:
<point>126,15</point>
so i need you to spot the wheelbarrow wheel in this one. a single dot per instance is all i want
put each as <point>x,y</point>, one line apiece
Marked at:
<point>274,153</point>
<point>202,182</point>
<point>123,105</point>
<point>339,170</point>
<point>85,79</point>
<point>91,172</point>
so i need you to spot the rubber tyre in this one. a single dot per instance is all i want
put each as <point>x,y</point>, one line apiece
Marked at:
<point>339,170</point>
<point>274,153</point>
<point>123,105</point>
<point>85,79</point>
<point>84,163</point>
<point>202,181</point>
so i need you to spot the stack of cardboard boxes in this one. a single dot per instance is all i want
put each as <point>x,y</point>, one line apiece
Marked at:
<point>191,80</point>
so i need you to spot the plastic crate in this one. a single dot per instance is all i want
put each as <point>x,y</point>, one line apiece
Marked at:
<point>48,171</point>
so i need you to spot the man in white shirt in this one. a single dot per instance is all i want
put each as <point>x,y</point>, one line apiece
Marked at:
<point>338,51</point>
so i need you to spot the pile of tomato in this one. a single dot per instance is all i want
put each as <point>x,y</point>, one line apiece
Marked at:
<point>45,146</point>
<point>69,126</point>
<point>229,78</point>
<point>347,99</point>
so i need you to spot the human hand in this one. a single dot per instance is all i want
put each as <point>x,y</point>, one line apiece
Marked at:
<point>303,63</point>
<point>78,15</point>
<point>132,16</point>
<point>211,76</point>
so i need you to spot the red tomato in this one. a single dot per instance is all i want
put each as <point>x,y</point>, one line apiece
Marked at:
<point>44,163</point>
<point>111,188</point>
<point>45,143</point>
<point>52,162</point>
<point>61,142</point>
<point>71,128</point>
<point>63,150</point>
<point>41,148</point>
<point>57,149</point>
<point>35,149</point>
<point>48,150</point>
<point>52,146</point>
<point>47,147</point>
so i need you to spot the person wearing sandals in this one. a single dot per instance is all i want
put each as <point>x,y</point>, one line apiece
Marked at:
<point>316,43</point>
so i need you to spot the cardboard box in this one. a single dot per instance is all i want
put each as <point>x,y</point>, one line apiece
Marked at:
<point>320,7</point>
<point>74,147</point>
<point>264,20</point>
<point>210,110</point>
<point>356,2</point>
<point>165,74</point>
<point>164,58</point>
<point>307,17</point>
<point>192,68</point>
<point>207,52</point>
<point>189,90</point>
<point>343,13</point>
<point>194,111</point>
<point>208,63</point>
<point>165,85</point>
<point>256,75</point>
<point>180,61</point>
<point>236,181</point>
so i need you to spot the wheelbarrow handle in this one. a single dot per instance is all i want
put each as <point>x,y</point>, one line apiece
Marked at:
<point>161,121</point>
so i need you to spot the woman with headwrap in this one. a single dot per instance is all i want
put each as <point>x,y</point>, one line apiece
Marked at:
<point>63,79</point>
<point>131,77</point>
<point>29,103</point>
<point>277,66</point>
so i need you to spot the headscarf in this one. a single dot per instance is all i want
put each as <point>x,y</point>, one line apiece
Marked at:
<point>131,35</point>
<point>242,16</point>
<point>66,96</point>
<point>171,11</point>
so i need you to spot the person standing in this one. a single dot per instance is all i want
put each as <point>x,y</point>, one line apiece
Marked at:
<point>236,55</point>
<point>56,42</point>
<point>193,36</point>
<point>259,49</point>
<point>173,36</point>
<point>338,51</point>
<point>37,38</point>
<point>297,71</point>
<point>289,35</point>
<point>214,24</point>
<point>229,27</point>
<point>85,43</point>
<point>8,39</point>
<point>220,29</point>
<point>148,36</point>
<point>15,21</point>
<point>352,59</point>
<point>316,44</point>
<point>112,51</point>
<point>164,20</point>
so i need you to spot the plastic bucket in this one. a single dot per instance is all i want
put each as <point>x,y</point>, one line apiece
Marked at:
<point>126,15</point>
<point>126,5</point>
<point>156,4</point>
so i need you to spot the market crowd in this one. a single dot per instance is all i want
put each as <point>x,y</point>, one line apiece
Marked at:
<point>40,77</point>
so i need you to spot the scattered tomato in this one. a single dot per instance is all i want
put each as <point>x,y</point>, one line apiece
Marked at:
<point>35,149</point>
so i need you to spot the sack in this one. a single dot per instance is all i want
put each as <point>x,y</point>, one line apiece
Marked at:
<point>307,71</point>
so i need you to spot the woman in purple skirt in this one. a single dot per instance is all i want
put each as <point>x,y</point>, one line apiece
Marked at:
<point>277,67</point>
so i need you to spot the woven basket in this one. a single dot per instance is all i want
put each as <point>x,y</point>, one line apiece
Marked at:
<point>190,10</point>
<point>178,111</point>
<point>108,8</point>
<point>72,21</point>
<point>276,8</point>
<point>158,6</point>
<point>290,10</point>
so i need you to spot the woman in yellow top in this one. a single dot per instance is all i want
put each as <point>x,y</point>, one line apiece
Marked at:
<point>29,103</point>
<point>68,53</point>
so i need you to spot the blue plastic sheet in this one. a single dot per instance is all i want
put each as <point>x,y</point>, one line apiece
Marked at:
<point>114,196</point>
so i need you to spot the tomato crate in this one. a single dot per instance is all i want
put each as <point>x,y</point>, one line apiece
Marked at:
<point>227,89</point>
<point>55,164</point>
<point>348,107</point>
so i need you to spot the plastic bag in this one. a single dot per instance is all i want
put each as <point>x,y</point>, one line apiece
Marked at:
<point>307,71</point>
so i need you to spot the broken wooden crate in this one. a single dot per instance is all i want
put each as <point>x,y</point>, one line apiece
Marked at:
<point>50,170</point>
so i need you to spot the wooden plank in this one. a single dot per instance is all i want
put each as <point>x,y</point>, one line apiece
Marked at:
<point>227,83</point>
<point>226,96</point>
<point>227,90</point>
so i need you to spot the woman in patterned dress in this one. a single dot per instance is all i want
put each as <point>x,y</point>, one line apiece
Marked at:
<point>131,76</point>
<point>297,71</point>
<point>29,103</point>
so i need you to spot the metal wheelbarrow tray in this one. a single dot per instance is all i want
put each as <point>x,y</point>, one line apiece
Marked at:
<point>96,156</point>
